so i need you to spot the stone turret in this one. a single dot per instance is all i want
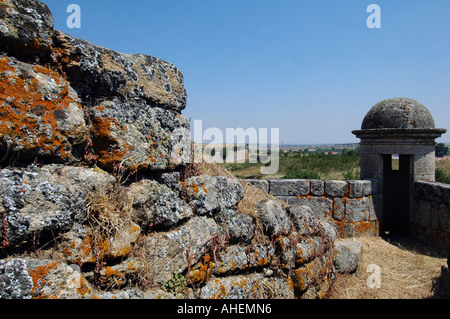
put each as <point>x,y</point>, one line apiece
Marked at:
<point>397,128</point>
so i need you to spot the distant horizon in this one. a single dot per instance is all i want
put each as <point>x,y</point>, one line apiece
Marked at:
<point>297,145</point>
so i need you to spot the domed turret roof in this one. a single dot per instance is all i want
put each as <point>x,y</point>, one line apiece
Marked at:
<point>398,113</point>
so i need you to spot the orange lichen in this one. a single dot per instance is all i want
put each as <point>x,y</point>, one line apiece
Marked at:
<point>28,117</point>
<point>39,277</point>
<point>222,291</point>
<point>83,288</point>
<point>108,148</point>
<point>197,188</point>
<point>263,261</point>
<point>302,277</point>
<point>201,273</point>
<point>109,272</point>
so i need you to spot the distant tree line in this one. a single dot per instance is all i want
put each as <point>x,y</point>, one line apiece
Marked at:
<point>441,150</point>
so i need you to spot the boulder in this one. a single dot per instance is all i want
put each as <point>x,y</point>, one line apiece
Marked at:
<point>26,28</point>
<point>97,72</point>
<point>15,282</point>
<point>42,117</point>
<point>238,228</point>
<point>132,102</point>
<point>137,136</point>
<point>134,105</point>
<point>274,218</point>
<point>254,286</point>
<point>304,220</point>
<point>211,194</point>
<point>348,255</point>
<point>95,248</point>
<point>157,205</point>
<point>33,278</point>
<point>173,252</point>
<point>42,202</point>
<point>312,280</point>
<point>345,262</point>
<point>239,258</point>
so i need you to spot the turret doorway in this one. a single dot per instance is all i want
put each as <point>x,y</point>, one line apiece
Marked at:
<point>397,185</point>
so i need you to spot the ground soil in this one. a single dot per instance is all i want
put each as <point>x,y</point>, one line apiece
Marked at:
<point>409,269</point>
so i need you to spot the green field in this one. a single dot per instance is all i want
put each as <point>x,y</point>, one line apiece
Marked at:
<point>305,166</point>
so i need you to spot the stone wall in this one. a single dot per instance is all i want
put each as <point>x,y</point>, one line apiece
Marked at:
<point>430,215</point>
<point>350,205</point>
<point>97,199</point>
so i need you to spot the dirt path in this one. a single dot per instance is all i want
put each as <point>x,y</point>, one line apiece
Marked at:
<point>406,272</point>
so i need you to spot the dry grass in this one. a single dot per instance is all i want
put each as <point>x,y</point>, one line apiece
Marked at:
<point>253,195</point>
<point>212,170</point>
<point>405,273</point>
<point>109,209</point>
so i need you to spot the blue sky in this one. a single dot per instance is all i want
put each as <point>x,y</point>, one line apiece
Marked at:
<point>311,68</point>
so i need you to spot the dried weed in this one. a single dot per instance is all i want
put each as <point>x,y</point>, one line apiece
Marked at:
<point>405,273</point>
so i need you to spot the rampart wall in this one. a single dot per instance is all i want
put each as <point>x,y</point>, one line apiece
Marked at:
<point>350,205</point>
<point>353,206</point>
<point>430,215</point>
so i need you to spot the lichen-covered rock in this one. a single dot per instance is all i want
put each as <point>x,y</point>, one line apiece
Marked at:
<point>173,252</point>
<point>135,103</point>
<point>296,250</point>
<point>254,286</point>
<point>41,279</point>
<point>38,202</point>
<point>116,276</point>
<point>336,188</point>
<point>314,278</point>
<point>98,72</point>
<point>304,220</point>
<point>15,282</point>
<point>137,136</point>
<point>171,180</point>
<point>93,247</point>
<point>41,114</point>
<point>157,205</point>
<point>56,280</point>
<point>211,194</point>
<point>345,261</point>
<point>289,187</point>
<point>274,218</point>
<point>26,28</point>
<point>238,228</point>
<point>358,210</point>
<point>240,258</point>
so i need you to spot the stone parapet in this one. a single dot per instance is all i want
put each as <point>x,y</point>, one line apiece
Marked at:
<point>430,215</point>
<point>350,205</point>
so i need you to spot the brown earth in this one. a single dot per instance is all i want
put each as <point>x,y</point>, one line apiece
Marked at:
<point>408,270</point>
